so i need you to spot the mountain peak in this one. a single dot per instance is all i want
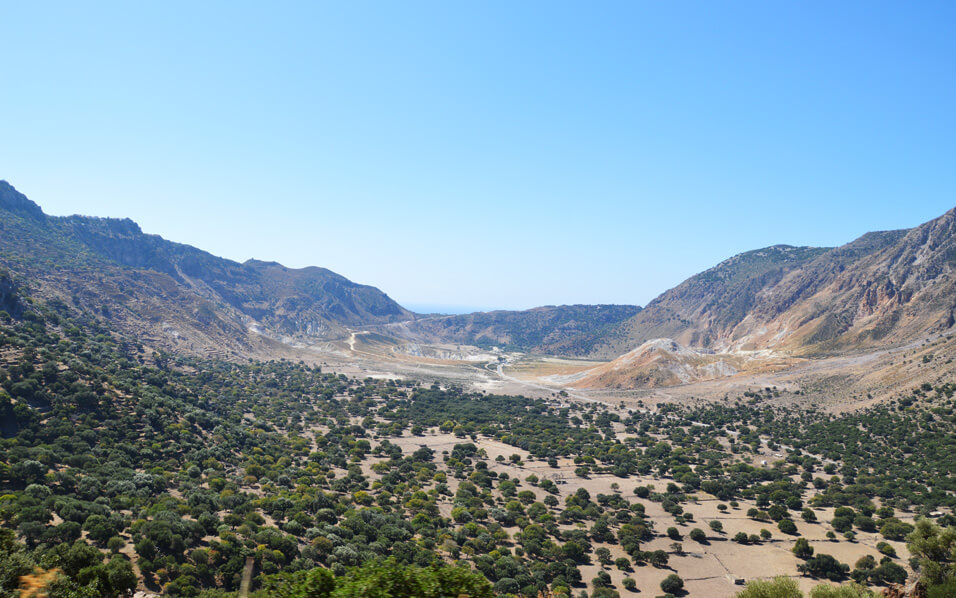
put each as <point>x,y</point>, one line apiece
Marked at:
<point>178,281</point>
<point>14,201</point>
<point>255,263</point>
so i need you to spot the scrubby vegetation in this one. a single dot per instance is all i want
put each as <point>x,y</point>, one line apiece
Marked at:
<point>783,587</point>
<point>123,467</point>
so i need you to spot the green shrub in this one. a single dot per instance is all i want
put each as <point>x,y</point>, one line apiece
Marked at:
<point>780,587</point>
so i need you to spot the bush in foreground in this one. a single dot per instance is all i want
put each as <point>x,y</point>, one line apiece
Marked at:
<point>379,580</point>
<point>784,587</point>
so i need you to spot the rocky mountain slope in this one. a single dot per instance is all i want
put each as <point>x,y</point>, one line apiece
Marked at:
<point>881,289</point>
<point>174,293</point>
<point>176,296</point>
<point>773,308</point>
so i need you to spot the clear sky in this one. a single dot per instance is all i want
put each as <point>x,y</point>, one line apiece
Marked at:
<point>486,154</point>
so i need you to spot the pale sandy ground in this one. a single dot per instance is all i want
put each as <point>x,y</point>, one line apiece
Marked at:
<point>837,383</point>
<point>708,570</point>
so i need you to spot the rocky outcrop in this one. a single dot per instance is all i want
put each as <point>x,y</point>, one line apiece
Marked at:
<point>911,590</point>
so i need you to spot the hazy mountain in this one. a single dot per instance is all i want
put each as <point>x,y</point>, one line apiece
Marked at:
<point>570,330</point>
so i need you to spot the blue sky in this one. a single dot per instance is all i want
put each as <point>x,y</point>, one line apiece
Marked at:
<point>492,154</point>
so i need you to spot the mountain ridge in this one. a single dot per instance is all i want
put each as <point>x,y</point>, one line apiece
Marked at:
<point>178,295</point>
<point>726,306</point>
<point>116,259</point>
<point>570,330</point>
<point>885,288</point>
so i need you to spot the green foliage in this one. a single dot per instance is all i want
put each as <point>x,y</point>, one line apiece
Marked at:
<point>383,579</point>
<point>672,584</point>
<point>850,590</point>
<point>698,535</point>
<point>780,587</point>
<point>787,526</point>
<point>825,566</point>
<point>802,549</point>
<point>315,583</point>
<point>934,551</point>
<point>947,589</point>
<point>15,562</point>
<point>199,464</point>
<point>887,573</point>
<point>783,587</point>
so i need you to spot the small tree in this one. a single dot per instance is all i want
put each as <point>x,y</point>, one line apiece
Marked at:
<point>657,558</point>
<point>886,548</point>
<point>802,549</point>
<point>933,548</point>
<point>603,580</point>
<point>888,572</point>
<point>603,556</point>
<point>787,526</point>
<point>824,565</point>
<point>672,584</point>
<point>115,544</point>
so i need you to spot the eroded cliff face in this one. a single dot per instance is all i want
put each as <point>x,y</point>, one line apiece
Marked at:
<point>886,287</point>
